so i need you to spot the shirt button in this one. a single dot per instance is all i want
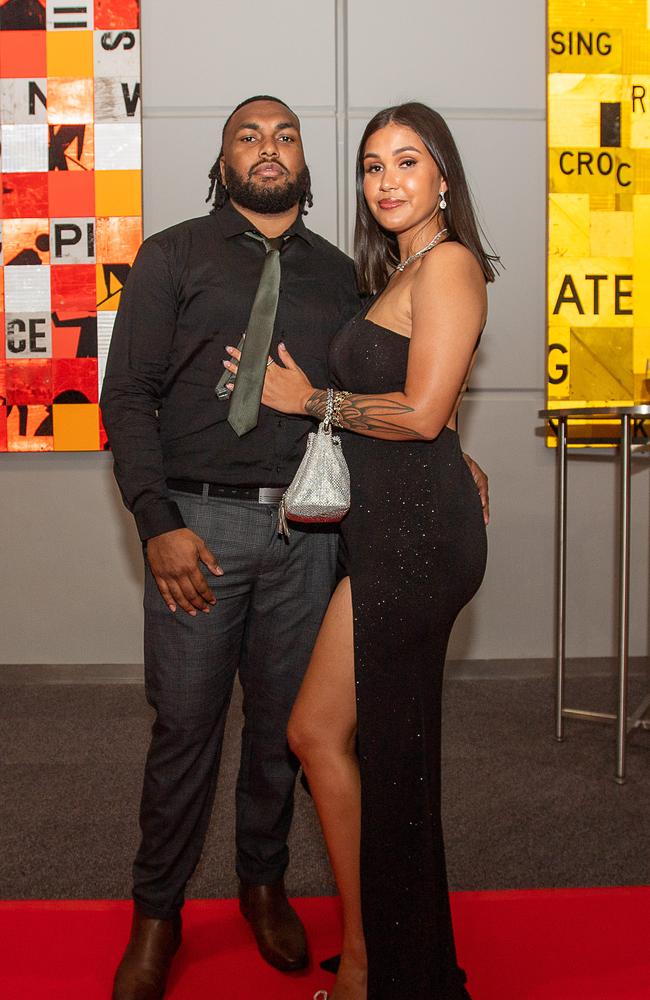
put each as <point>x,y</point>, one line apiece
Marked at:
<point>278,468</point>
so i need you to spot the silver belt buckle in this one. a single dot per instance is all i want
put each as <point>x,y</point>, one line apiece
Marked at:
<point>271,494</point>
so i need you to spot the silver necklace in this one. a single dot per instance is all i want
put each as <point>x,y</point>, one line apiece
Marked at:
<point>420,253</point>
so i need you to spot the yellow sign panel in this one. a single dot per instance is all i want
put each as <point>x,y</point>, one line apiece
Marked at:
<point>598,202</point>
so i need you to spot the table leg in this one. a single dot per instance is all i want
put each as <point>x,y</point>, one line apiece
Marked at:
<point>560,650</point>
<point>624,599</point>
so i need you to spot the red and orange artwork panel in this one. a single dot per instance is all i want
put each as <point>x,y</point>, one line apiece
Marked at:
<point>71,211</point>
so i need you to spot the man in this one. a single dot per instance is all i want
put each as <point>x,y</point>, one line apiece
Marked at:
<point>203,474</point>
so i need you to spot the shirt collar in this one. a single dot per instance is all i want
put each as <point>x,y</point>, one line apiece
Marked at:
<point>233,223</point>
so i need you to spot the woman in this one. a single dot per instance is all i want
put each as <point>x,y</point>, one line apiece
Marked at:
<point>366,724</point>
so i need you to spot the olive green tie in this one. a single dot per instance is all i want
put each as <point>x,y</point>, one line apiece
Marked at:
<point>245,400</point>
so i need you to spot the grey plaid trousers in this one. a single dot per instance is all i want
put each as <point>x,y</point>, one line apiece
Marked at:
<point>270,603</point>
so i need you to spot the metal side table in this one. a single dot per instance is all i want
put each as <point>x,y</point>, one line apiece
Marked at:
<point>625,724</point>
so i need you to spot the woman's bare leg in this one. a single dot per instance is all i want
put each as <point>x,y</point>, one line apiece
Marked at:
<point>322,732</point>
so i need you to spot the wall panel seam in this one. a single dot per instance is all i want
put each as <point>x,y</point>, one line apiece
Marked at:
<point>153,111</point>
<point>487,114</point>
<point>341,64</point>
<point>514,391</point>
<point>223,110</point>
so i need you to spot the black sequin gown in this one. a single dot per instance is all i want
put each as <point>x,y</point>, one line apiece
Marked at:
<point>414,546</point>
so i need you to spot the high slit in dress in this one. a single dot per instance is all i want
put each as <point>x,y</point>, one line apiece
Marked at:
<point>414,546</point>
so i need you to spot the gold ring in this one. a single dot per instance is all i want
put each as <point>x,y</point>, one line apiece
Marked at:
<point>270,362</point>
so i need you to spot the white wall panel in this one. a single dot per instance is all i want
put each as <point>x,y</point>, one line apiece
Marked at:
<point>73,594</point>
<point>71,586</point>
<point>72,568</point>
<point>504,161</point>
<point>179,152</point>
<point>217,53</point>
<point>178,155</point>
<point>513,613</point>
<point>319,141</point>
<point>466,54</point>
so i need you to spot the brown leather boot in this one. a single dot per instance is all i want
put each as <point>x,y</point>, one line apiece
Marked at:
<point>277,928</point>
<point>142,973</point>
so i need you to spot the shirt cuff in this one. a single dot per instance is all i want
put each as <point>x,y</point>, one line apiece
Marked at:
<point>158,517</point>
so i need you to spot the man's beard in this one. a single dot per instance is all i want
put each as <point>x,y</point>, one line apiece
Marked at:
<point>267,199</point>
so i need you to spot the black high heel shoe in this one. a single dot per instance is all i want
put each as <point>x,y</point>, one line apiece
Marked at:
<point>331,964</point>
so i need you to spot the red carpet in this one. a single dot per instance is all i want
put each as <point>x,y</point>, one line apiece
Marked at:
<point>577,944</point>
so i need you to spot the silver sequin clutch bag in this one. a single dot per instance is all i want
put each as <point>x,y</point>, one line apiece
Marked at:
<point>320,489</point>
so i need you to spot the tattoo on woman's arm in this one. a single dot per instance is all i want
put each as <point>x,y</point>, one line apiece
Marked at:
<point>360,412</point>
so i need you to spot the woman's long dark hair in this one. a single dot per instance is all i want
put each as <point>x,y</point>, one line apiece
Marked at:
<point>376,250</point>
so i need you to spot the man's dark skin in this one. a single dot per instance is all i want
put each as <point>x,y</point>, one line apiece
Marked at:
<point>261,146</point>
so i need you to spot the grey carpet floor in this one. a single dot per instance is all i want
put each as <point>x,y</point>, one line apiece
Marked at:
<point>521,811</point>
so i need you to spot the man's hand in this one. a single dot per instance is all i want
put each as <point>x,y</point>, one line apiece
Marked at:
<point>481,481</point>
<point>174,561</point>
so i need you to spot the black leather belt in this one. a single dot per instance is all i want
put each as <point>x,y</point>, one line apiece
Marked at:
<point>261,494</point>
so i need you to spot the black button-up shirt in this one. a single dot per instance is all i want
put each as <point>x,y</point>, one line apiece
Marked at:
<point>188,295</point>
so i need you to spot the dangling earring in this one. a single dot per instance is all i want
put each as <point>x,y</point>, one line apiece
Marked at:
<point>443,203</point>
